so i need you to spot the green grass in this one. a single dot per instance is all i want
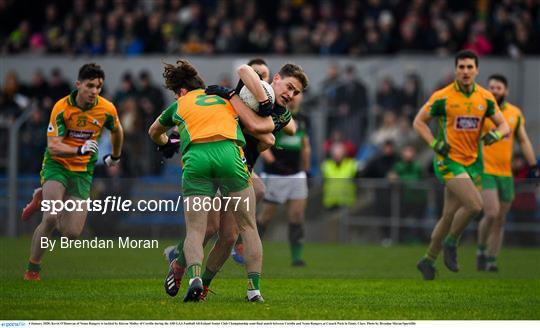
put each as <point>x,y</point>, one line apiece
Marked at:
<point>352,282</point>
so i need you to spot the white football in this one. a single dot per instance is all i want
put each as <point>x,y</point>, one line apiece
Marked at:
<point>250,100</point>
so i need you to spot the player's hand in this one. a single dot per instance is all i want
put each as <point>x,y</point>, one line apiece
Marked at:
<point>171,147</point>
<point>279,110</point>
<point>491,137</point>
<point>89,146</point>
<point>265,108</point>
<point>220,91</point>
<point>441,147</point>
<point>110,160</point>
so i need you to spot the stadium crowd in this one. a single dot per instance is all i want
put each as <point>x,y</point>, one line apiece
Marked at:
<point>372,27</point>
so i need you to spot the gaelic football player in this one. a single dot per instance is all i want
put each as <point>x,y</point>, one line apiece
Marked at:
<point>460,108</point>
<point>75,124</point>
<point>285,167</point>
<point>497,180</point>
<point>212,157</point>
<point>223,222</point>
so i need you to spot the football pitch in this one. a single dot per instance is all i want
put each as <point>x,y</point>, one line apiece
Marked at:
<point>349,282</point>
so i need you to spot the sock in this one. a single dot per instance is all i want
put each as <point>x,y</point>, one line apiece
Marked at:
<point>181,259</point>
<point>481,249</point>
<point>450,241</point>
<point>194,271</point>
<point>491,259</point>
<point>429,259</point>
<point>261,229</point>
<point>254,281</point>
<point>207,276</point>
<point>35,267</point>
<point>296,233</point>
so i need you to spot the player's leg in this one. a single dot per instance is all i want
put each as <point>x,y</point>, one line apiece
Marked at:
<point>491,211</point>
<point>71,223</point>
<point>505,188</point>
<point>471,205</point>
<point>296,213</point>
<point>496,237</point>
<point>227,236</point>
<point>245,219</point>
<point>426,265</point>
<point>193,244</point>
<point>259,188</point>
<point>268,211</point>
<point>52,191</point>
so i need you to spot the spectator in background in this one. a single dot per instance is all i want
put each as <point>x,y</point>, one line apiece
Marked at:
<point>380,166</point>
<point>127,89</point>
<point>151,102</point>
<point>387,131</point>
<point>351,98</point>
<point>58,86</point>
<point>13,99</point>
<point>388,97</point>
<point>329,87</point>
<point>411,95</point>
<point>409,172</point>
<point>478,41</point>
<point>337,136</point>
<point>339,171</point>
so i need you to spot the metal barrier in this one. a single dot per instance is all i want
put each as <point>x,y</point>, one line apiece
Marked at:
<point>367,212</point>
<point>13,165</point>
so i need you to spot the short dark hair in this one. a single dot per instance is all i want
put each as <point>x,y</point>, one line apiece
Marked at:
<point>463,54</point>
<point>182,76</point>
<point>499,77</point>
<point>296,71</point>
<point>90,71</point>
<point>257,61</point>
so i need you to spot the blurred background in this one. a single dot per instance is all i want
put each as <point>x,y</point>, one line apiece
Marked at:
<point>371,64</point>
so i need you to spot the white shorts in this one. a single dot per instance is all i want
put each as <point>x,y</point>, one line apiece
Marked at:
<point>281,188</point>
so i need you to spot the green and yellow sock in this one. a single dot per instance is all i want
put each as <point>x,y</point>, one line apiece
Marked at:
<point>194,271</point>
<point>254,281</point>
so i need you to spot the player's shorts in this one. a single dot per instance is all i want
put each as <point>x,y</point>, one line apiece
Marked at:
<point>504,186</point>
<point>447,169</point>
<point>77,184</point>
<point>280,188</point>
<point>212,165</point>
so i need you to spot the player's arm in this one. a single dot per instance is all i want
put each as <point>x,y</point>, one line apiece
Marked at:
<point>290,128</point>
<point>306,154</point>
<point>266,141</point>
<point>526,145</point>
<point>117,140</point>
<point>502,128</point>
<point>158,133</point>
<point>252,123</point>
<point>57,147</point>
<point>421,126</point>
<point>252,81</point>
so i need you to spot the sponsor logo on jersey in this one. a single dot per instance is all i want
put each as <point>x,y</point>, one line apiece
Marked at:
<point>50,128</point>
<point>480,107</point>
<point>467,123</point>
<point>83,135</point>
